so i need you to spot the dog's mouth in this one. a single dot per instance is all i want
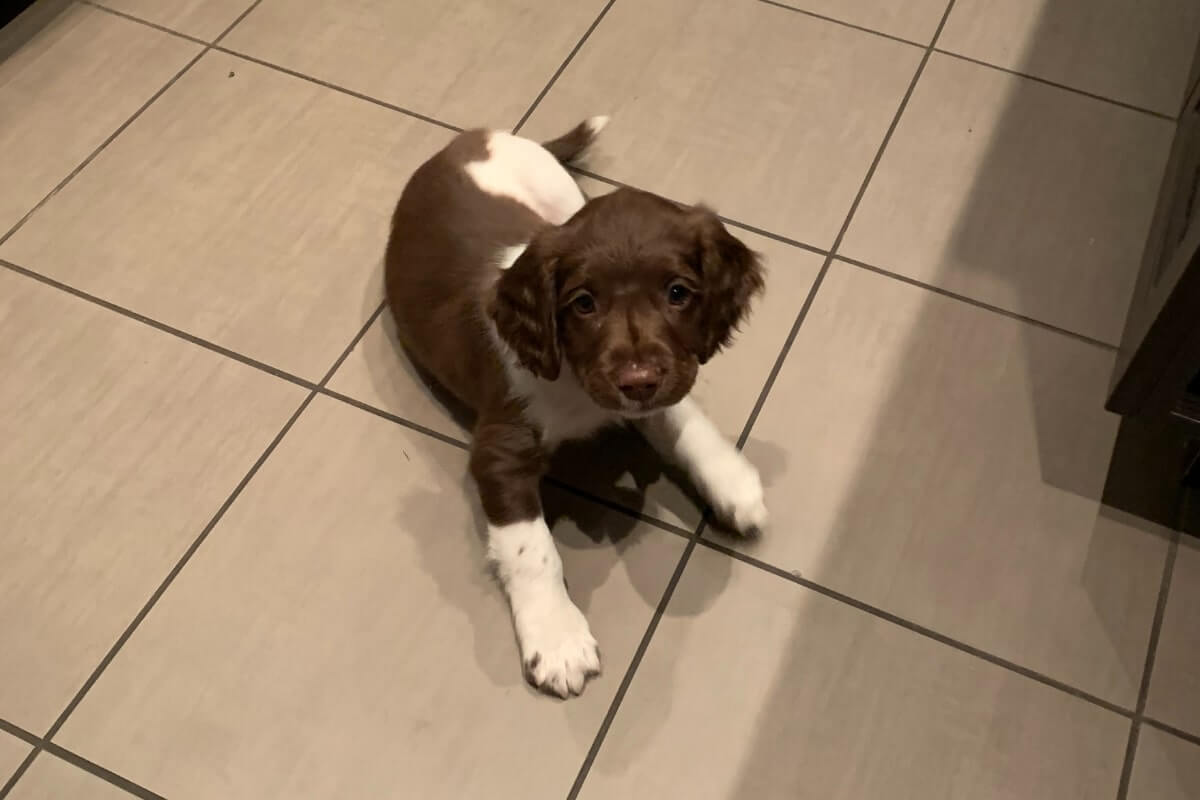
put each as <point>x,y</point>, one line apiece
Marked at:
<point>610,397</point>
<point>613,391</point>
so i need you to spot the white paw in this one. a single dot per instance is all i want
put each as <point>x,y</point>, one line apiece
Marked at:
<point>737,497</point>
<point>557,647</point>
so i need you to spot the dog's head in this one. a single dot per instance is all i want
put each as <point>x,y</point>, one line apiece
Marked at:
<point>634,293</point>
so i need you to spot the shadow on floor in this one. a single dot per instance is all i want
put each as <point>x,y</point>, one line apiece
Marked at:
<point>1123,556</point>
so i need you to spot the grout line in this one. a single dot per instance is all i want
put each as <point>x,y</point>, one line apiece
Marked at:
<point>12,729</point>
<point>74,759</point>
<point>121,128</point>
<point>621,184</point>
<point>174,573</point>
<point>728,221</point>
<point>342,89</point>
<point>1029,76</point>
<point>45,743</point>
<point>161,326</point>
<point>1057,85</point>
<point>1171,729</point>
<point>146,22</point>
<point>321,389</point>
<point>350,347</point>
<point>558,483</point>
<point>20,771</point>
<point>862,190</point>
<point>833,594</point>
<point>1160,610</point>
<point>1131,744</point>
<point>1004,312</point>
<point>634,663</point>
<point>285,70</point>
<point>235,23</point>
<point>390,417</point>
<point>100,772</point>
<point>1183,104</point>
<point>843,23</point>
<point>917,628</point>
<point>612,505</point>
<point>765,392</point>
<point>578,45</point>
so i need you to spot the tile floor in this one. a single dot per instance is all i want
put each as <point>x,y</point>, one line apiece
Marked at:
<point>239,556</point>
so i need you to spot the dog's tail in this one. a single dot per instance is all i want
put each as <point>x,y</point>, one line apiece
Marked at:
<point>572,145</point>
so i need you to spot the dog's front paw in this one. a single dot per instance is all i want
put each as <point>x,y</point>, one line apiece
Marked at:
<point>737,497</point>
<point>557,647</point>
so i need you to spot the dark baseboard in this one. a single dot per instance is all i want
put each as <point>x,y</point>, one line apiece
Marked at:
<point>1155,473</point>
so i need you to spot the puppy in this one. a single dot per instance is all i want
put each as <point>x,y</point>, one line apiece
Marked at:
<point>553,317</point>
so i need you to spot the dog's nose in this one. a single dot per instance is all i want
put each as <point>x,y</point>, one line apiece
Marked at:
<point>638,382</point>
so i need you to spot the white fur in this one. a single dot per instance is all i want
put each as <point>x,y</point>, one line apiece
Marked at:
<point>509,255</point>
<point>522,170</point>
<point>560,409</point>
<point>597,124</point>
<point>684,435</point>
<point>557,647</point>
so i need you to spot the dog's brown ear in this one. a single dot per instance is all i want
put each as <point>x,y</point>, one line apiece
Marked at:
<point>525,310</point>
<point>731,275</point>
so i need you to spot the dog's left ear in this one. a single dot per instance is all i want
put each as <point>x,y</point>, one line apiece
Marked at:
<point>525,309</point>
<point>731,275</point>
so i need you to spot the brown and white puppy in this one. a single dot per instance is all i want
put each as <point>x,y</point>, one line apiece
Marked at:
<point>553,317</point>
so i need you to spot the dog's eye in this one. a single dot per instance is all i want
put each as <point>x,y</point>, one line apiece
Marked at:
<point>678,294</point>
<point>584,304</point>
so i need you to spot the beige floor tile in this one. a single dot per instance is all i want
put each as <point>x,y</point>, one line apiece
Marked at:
<point>117,445</point>
<point>914,20</point>
<point>1166,768</point>
<point>1175,684</point>
<point>69,76</point>
<point>466,62</point>
<point>12,753</point>
<point>204,19</point>
<point>779,692</point>
<point>617,467</point>
<point>1132,51</point>
<point>379,373</point>
<point>942,462</point>
<point>51,778</point>
<point>245,206</point>
<point>988,189</point>
<point>338,636</point>
<point>770,115</point>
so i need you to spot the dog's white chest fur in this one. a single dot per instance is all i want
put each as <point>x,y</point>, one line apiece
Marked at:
<point>560,409</point>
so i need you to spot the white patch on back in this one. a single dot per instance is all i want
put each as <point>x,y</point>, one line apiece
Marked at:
<point>523,170</point>
<point>509,255</point>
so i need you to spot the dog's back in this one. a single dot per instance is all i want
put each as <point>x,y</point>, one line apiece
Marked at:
<point>483,196</point>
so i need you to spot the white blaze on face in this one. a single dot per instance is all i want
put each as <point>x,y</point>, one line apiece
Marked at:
<point>523,170</point>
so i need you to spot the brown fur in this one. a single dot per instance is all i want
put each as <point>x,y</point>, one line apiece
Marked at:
<point>634,348</point>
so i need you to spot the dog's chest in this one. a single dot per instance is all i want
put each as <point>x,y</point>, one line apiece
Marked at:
<point>562,411</point>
